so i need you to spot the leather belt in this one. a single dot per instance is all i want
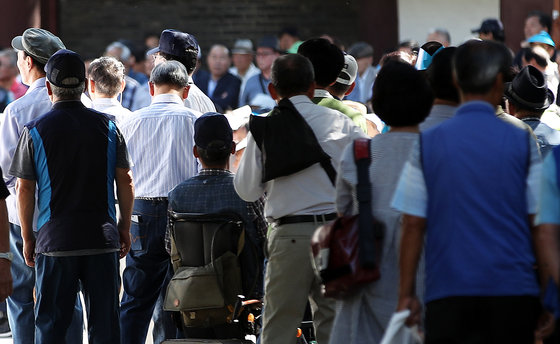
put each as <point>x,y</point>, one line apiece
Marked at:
<point>286,220</point>
<point>156,199</point>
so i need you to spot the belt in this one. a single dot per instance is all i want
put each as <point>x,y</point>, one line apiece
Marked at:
<point>156,199</point>
<point>286,220</point>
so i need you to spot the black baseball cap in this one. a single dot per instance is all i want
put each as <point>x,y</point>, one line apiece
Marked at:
<point>175,43</point>
<point>65,69</point>
<point>210,127</point>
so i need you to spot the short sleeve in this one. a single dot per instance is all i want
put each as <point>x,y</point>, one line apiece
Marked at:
<point>123,158</point>
<point>411,195</point>
<point>23,161</point>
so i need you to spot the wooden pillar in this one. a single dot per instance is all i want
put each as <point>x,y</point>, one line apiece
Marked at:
<point>513,14</point>
<point>379,25</point>
<point>23,14</point>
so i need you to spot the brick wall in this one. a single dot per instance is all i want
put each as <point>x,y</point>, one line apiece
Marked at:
<point>89,26</point>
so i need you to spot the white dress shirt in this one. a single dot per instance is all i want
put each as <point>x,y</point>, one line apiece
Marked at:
<point>112,107</point>
<point>307,192</point>
<point>198,101</point>
<point>160,140</point>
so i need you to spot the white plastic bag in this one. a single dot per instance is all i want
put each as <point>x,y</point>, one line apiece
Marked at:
<point>398,333</point>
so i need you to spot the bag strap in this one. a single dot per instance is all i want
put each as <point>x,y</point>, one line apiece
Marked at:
<point>329,169</point>
<point>363,190</point>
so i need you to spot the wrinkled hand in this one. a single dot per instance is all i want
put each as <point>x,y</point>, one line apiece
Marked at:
<point>125,244</point>
<point>29,252</point>
<point>5,279</point>
<point>545,325</point>
<point>413,304</point>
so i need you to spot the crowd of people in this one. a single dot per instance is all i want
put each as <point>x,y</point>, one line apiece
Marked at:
<point>464,172</point>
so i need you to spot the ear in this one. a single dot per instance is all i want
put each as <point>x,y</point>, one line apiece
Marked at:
<point>233,145</point>
<point>272,91</point>
<point>49,89</point>
<point>151,85</point>
<point>90,86</point>
<point>350,89</point>
<point>185,92</point>
<point>195,152</point>
<point>29,62</point>
<point>123,85</point>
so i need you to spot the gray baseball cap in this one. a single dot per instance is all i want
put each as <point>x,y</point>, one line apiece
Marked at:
<point>38,43</point>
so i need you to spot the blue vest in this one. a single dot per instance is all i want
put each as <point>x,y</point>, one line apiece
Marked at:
<point>75,160</point>
<point>478,238</point>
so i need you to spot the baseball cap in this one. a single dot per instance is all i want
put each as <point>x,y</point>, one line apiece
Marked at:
<point>361,49</point>
<point>65,69</point>
<point>242,46</point>
<point>542,37</point>
<point>212,126</point>
<point>38,43</point>
<point>348,73</point>
<point>489,25</point>
<point>269,42</point>
<point>175,43</point>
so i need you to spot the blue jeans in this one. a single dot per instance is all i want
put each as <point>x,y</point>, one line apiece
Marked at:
<point>20,304</point>
<point>146,276</point>
<point>58,279</point>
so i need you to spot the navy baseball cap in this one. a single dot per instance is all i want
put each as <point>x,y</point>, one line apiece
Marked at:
<point>65,69</point>
<point>489,25</point>
<point>175,43</point>
<point>212,126</point>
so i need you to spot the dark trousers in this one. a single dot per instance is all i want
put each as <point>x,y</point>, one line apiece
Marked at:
<point>482,320</point>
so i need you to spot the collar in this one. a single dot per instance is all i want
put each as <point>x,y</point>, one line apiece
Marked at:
<point>300,99</point>
<point>213,172</point>
<point>167,98</point>
<point>530,119</point>
<point>37,84</point>
<point>65,104</point>
<point>106,102</point>
<point>476,106</point>
<point>321,93</point>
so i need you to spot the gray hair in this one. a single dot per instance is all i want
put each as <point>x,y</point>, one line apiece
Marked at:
<point>125,51</point>
<point>442,32</point>
<point>73,93</point>
<point>11,54</point>
<point>108,74</point>
<point>171,73</point>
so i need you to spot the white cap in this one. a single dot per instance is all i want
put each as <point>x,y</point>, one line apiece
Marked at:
<point>348,73</point>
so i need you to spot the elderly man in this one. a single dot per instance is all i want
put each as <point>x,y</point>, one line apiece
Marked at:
<point>256,91</point>
<point>180,46</point>
<point>34,48</point>
<point>242,55</point>
<point>158,167</point>
<point>217,83</point>
<point>481,284</point>
<point>106,81</point>
<point>363,53</point>
<point>78,240</point>
<point>299,199</point>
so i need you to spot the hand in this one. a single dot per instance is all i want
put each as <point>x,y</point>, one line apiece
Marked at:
<point>411,303</point>
<point>5,279</point>
<point>125,244</point>
<point>545,325</point>
<point>29,252</point>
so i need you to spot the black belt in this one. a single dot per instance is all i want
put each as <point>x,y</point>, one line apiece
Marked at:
<point>286,220</point>
<point>156,199</point>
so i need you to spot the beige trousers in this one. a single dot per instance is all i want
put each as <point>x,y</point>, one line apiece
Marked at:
<point>291,279</point>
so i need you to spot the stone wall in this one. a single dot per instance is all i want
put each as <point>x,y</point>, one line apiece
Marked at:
<point>89,26</point>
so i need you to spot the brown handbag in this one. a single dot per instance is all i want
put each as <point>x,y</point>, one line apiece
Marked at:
<point>348,250</point>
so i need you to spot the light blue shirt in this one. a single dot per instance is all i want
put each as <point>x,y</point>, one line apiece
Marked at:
<point>549,202</point>
<point>160,140</point>
<point>33,104</point>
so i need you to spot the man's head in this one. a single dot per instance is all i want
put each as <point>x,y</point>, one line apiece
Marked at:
<point>242,54</point>
<point>326,58</point>
<point>528,93</point>
<point>544,40</point>
<point>8,67</point>
<point>287,37</point>
<point>491,30</point>
<point>346,78</point>
<point>267,52</point>
<point>66,75</point>
<point>363,53</point>
<point>401,95</point>
<point>213,140</point>
<point>535,56</point>
<point>169,77</point>
<point>439,35</point>
<point>218,61</point>
<point>35,47</point>
<point>106,77</point>
<point>480,68</point>
<point>291,75</point>
<point>176,46</point>
<point>536,22</point>
<point>440,76</point>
